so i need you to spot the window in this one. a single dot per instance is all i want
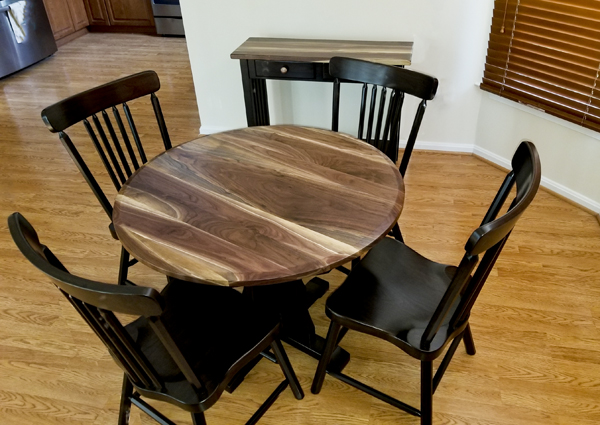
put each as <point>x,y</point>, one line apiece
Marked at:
<point>546,54</point>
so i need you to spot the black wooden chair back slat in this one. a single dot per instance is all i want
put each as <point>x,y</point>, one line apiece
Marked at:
<point>85,107</point>
<point>412,138</point>
<point>134,133</point>
<point>116,144</point>
<point>363,106</point>
<point>389,116</point>
<point>369,136</point>
<point>85,171</point>
<point>131,352</point>
<point>100,332</point>
<point>168,353</point>
<point>108,149</point>
<point>161,121</point>
<point>380,114</point>
<point>100,151</point>
<point>401,81</point>
<point>336,105</point>
<point>125,138</point>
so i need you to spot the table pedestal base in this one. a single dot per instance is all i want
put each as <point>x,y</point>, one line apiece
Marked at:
<point>290,301</point>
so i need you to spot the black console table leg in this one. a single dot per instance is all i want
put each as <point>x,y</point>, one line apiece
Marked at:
<point>255,96</point>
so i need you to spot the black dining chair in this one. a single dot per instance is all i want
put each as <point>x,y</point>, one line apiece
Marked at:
<point>185,347</point>
<point>422,306</point>
<point>384,100</point>
<point>111,137</point>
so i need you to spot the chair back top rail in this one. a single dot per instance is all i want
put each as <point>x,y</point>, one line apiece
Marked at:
<point>383,122</point>
<point>405,80</point>
<point>71,110</point>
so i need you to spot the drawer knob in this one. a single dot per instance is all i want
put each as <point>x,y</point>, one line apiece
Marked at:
<point>284,69</point>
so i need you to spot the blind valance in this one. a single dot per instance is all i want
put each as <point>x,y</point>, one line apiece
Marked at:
<point>546,53</point>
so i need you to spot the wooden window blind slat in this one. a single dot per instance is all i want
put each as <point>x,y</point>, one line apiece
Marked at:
<point>546,54</point>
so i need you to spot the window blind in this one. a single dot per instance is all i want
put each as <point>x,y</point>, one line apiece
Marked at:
<point>546,53</point>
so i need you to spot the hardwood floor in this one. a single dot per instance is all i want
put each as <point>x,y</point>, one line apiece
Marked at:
<point>536,325</point>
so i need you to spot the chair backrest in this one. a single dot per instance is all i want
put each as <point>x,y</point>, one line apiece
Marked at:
<point>488,239</point>
<point>383,122</point>
<point>91,103</point>
<point>98,302</point>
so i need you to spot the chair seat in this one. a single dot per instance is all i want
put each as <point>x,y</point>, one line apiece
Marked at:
<point>226,327</point>
<point>393,294</point>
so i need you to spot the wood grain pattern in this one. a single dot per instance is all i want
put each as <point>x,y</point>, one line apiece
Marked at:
<point>258,205</point>
<point>536,323</point>
<point>305,50</point>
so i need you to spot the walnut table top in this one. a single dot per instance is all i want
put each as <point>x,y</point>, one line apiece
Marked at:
<point>258,205</point>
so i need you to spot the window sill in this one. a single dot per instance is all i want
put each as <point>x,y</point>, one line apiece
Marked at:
<point>542,114</point>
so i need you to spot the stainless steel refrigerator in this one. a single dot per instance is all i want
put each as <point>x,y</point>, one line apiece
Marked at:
<point>25,35</point>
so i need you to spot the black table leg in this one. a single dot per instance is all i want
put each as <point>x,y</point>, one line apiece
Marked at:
<point>255,96</point>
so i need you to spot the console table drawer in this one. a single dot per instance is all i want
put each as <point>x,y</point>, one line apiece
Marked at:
<point>292,70</point>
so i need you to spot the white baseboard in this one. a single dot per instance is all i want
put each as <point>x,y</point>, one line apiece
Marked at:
<point>492,157</point>
<point>443,147</point>
<point>555,187</point>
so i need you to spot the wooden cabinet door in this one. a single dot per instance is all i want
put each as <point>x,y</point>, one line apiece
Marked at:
<point>96,12</point>
<point>78,14</point>
<point>130,12</point>
<point>59,17</point>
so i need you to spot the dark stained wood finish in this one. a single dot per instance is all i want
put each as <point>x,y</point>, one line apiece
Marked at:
<point>305,50</point>
<point>258,205</point>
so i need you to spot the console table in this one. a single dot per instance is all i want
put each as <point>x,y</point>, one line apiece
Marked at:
<point>302,60</point>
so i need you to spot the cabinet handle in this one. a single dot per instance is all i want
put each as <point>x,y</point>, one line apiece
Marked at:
<point>284,70</point>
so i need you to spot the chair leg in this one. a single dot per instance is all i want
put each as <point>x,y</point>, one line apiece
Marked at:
<point>426,392</point>
<point>125,408</point>
<point>468,340</point>
<point>330,344</point>
<point>287,369</point>
<point>397,233</point>
<point>198,419</point>
<point>123,267</point>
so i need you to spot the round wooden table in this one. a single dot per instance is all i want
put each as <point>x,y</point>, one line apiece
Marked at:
<point>262,207</point>
<point>259,205</point>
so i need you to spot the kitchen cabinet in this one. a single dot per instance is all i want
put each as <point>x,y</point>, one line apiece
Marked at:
<point>66,17</point>
<point>96,10</point>
<point>78,14</point>
<point>120,14</point>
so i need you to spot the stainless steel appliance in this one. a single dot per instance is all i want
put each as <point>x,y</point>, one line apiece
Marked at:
<point>167,17</point>
<point>25,35</point>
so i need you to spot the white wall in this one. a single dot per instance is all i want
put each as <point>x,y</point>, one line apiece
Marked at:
<point>450,39</point>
